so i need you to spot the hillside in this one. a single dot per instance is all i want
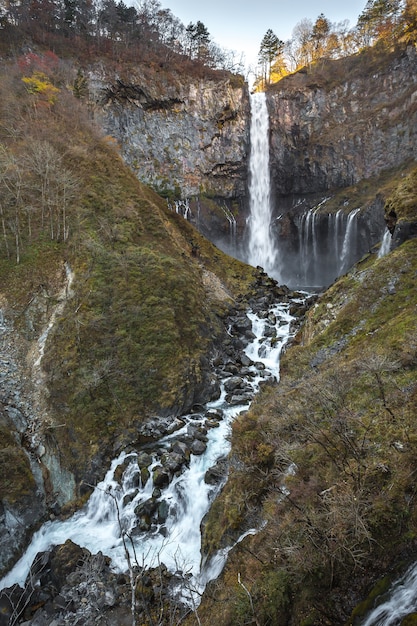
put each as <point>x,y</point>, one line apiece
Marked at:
<point>324,463</point>
<point>111,304</point>
<point>113,309</point>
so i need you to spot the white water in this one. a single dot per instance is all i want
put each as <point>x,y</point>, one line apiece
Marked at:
<point>349,240</point>
<point>402,600</point>
<point>261,248</point>
<point>385,244</point>
<point>96,526</point>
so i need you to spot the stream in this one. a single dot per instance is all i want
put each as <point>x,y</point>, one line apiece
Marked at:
<point>160,523</point>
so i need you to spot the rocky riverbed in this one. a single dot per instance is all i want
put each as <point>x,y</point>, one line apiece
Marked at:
<point>68,584</point>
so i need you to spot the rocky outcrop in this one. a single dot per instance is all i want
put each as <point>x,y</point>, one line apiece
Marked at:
<point>185,139</point>
<point>33,483</point>
<point>329,132</point>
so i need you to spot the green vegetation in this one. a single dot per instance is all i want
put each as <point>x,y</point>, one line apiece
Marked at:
<point>141,316</point>
<point>326,460</point>
<point>16,480</point>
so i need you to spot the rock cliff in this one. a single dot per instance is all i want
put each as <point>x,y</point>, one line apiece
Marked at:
<point>193,138</point>
<point>335,126</point>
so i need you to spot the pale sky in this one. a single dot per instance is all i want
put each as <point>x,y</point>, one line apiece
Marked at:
<point>240,25</point>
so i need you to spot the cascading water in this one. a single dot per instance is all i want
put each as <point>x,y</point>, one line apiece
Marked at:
<point>385,244</point>
<point>401,601</point>
<point>349,241</point>
<point>262,250</point>
<point>327,246</point>
<point>113,511</point>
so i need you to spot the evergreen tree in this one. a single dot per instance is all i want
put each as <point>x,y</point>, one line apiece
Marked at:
<point>199,40</point>
<point>379,20</point>
<point>320,35</point>
<point>271,47</point>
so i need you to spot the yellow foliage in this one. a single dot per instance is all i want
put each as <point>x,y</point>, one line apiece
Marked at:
<point>39,84</point>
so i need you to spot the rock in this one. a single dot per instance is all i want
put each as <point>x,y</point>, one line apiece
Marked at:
<point>144,475</point>
<point>172,461</point>
<point>217,473</point>
<point>241,324</point>
<point>143,459</point>
<point>245,360</point>
<point>236,399</point>
<point>181,448</point>
<point>163,511</point>
<point>214,414</point>
<point>198,447</point>
<point>161,476</point>
<point>236,382</point>
<point>197,432</point>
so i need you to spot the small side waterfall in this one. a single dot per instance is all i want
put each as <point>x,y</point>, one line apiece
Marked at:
<point>349,241</point>
<point>232,227</point>
<point>327,245</point>
<point>385,244</point>
<point>261,249</point>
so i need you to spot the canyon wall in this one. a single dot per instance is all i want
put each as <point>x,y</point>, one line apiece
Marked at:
<point>332,127</point>
<point>332,131</point>
<point>191,137</point>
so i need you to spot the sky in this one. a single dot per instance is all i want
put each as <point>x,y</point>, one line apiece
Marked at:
<point>240,25</point>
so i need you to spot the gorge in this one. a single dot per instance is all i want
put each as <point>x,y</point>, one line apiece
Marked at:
<point>322,150</point>
<point>127,344</point>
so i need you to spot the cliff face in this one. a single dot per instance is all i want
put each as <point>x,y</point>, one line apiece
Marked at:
<point>332,128</point>
<point>330,131</point>
<point>190,138</point>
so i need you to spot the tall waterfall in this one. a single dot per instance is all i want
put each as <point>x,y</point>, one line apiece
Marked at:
<point>261,250</point>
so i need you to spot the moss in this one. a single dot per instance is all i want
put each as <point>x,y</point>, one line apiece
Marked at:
<point>403,200</point>
<point>364,607</point>
<point>16,480</point>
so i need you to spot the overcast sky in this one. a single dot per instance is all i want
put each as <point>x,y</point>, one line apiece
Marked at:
<point>240,25</point>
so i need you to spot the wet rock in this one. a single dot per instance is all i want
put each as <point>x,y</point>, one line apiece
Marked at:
<point>245,360</point>
<point>236,382</point>
<point>144,475</point>
<point>198,447</point>
<point>217,473</point>
<point>161,476</point>
<point>241,324</point>
<point>172,461</point>
<point>143,459</point>
<point>163,511</point>
<point>236,399</point>
<point>214,414</point>
<point>181,448</point>
<point>270,331</point>
<point>197,432</point>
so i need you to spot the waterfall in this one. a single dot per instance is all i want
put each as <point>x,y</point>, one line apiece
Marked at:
<point>349,241</point>
<point>113,510</point>
<point>182,207</point>
<point>261,249</point>
<point>232,227</point>
<point>327,246</point>
<point>338,222</point>
<point>385,244</point>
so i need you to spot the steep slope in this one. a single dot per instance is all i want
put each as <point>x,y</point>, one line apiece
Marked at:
<point>324,463</point>
<point>111,305</point>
